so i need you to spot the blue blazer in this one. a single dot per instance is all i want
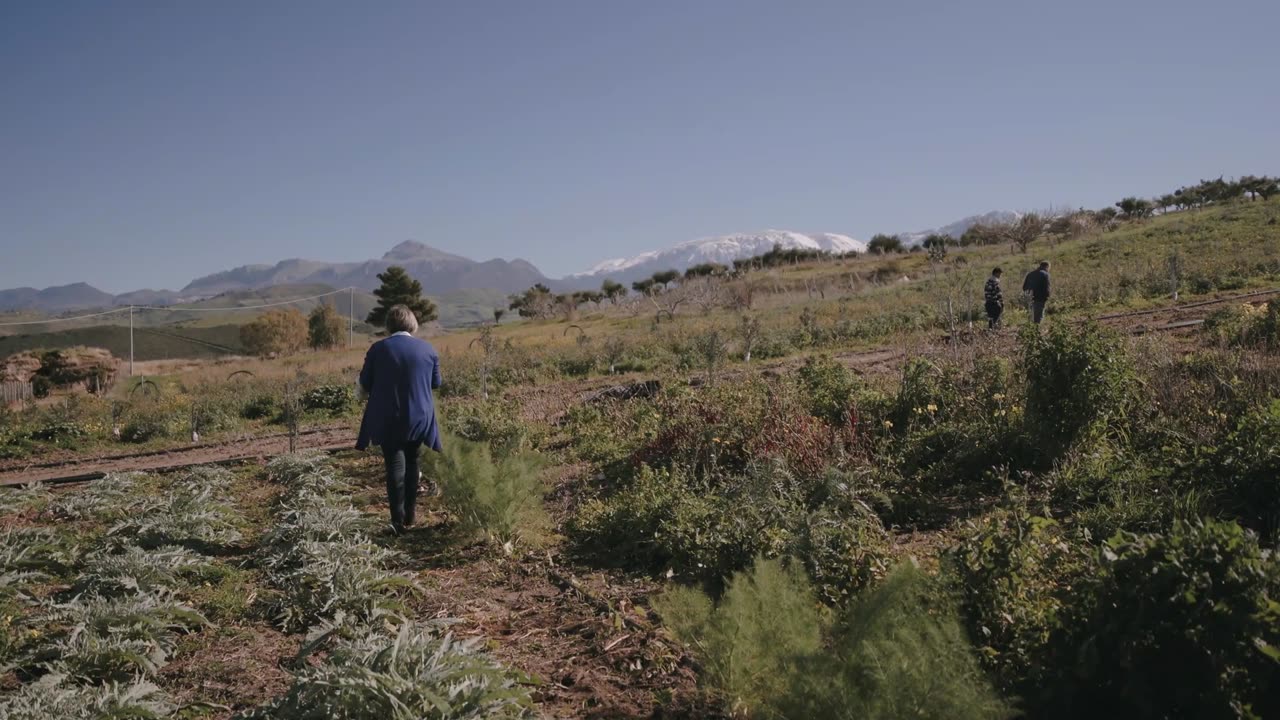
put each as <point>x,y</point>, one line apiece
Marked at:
<point>399,374</point>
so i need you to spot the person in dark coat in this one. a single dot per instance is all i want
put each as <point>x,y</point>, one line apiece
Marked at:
<point>399,374</point>
<point>994,297</point>
<point>1036,284</point>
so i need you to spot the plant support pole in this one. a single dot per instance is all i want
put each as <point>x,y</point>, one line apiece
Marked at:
<point>351,319</point>
<point>130,341</point>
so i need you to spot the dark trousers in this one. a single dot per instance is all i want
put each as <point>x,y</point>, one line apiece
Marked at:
<point>994,311</point>
<point>1037,310</point>
<point>402,481</point>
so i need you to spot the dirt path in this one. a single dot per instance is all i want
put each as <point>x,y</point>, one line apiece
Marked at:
<point>88,468</point>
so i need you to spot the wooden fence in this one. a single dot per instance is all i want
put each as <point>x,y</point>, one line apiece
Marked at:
<point>15,392</point>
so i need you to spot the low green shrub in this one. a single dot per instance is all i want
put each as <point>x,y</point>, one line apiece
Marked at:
<point>828,389</point>
<point>145,427</point>
<point>667,519</point>
<point>260,407</point>
<point>1241,472</point>
<point>491,422</point>
<point>500,497</point>
<point>1185,624</point>
<point>335,399</point>
<point>1080,381</point>
<point>1012,572</point>
<point>895,651</point>
<point>60,433</point>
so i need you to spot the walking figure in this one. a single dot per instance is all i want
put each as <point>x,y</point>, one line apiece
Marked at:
<point>399,374</point>
<point>994,297</point>
<point>1036,285</point>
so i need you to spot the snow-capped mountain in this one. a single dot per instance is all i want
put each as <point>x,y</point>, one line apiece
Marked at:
<point>957,228</point>
<point>723,249</point>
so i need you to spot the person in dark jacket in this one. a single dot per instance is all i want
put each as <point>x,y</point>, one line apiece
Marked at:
<point>994,298</point>
<point>399,374</point>
<point>1037,286</point>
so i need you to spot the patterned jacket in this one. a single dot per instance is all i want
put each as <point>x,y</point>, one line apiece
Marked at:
<point>992,292</point>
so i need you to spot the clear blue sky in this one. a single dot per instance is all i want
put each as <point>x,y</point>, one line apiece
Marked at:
<point>145,143</point>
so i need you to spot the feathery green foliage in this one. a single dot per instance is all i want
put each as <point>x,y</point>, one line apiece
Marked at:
<point>895,652</point>
<point>751,640</point>
<point>501,498</point>
<point>417,674</point>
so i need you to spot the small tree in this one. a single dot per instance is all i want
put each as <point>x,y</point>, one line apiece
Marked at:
<point>398,288</point>
<point>644,287</point>
<point>613,290</point>
<point>749,331</point>
<point>1025,230</point>
<point>275,332</point>
<point>881,244</point>
<point>1133,208</point>
<point>325,327</point>
<point>536,302</point>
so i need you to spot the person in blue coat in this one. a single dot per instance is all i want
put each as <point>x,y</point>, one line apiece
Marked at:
<point>399,373</point>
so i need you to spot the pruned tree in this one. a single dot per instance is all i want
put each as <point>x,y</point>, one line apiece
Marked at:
<point>711,350</point>
<point>275,332</point>
<point>399,288</point>
<point>613,350</point>
<point>749,333</point>
<point>1022,232</point>
<point>325,328</point>
<point>489,352</point>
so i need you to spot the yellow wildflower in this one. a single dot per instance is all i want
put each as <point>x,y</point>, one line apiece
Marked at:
<point>932,408</point>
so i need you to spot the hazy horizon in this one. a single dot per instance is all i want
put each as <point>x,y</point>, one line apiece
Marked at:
<point>146,144</point>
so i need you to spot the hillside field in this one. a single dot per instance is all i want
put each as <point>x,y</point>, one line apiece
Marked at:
<point>822,489</point>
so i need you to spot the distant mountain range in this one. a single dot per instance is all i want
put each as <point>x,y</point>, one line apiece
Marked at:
<point>441,273</point>
<point>723,249</point>
<point>446,274</point>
